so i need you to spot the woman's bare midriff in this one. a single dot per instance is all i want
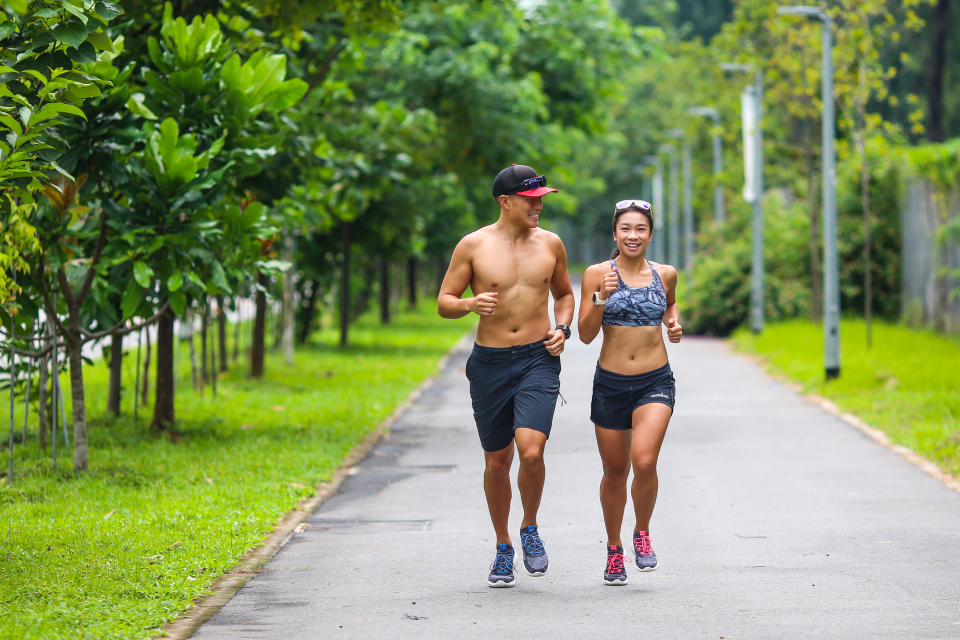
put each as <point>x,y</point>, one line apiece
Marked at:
<point>632,350</point>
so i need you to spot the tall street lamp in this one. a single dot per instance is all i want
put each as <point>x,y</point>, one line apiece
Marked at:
<point>752,106</point>
<point>831,277</point>
<point>718,205</point>
<point>686,163</point>
<point>657,188</point>
<point>673,222</point>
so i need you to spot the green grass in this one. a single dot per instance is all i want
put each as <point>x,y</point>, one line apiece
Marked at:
<point>122,549</point>
<point>907,384</point>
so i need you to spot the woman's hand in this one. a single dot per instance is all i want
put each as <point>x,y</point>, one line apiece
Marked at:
<point>674,331</point>
<point>609,284</point>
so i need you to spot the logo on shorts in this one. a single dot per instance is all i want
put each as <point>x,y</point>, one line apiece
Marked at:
<point>659,395</point>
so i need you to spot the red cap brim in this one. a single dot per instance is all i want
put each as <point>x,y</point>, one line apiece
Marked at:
<point>539,191</point>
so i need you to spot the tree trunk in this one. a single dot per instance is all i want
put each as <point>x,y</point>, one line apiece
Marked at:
<point>163,403</point>
<point>236,330</point>
<point>145,389</point>
<point>289,315</point>
<point>26,391</point>
<point>77,399</point>
<point>114,390</point>
<point>258,345</point>
<point>42,400</point>
<point>278,319</point>
<point>194,376</point>
<point>204,321</point>
<point>412,282</point>
<point>937,66</point>
<point>136,379</point>
<point>213,364</point>
<point>222,331</point>
<point>345,285</point>
<point>308,311</point>
<point>384,267</point>
<point>12,364</point>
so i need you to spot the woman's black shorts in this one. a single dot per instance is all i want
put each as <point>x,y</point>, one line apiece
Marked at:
<point>512,387</point>
<point>615,396</point>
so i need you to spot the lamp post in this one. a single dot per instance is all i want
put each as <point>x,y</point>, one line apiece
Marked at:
<point>719,214</point>
<point>752,101</point>
<point>831,277</point>
<point>687,233</point>
<point>673,215</point>
<point>657,194</point>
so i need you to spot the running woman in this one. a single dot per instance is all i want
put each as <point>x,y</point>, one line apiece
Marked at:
<point>512,266</point>
<point>633,387</point>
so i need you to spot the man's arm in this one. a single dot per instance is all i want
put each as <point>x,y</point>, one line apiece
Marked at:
<point>456,281</point>
<point>563,300</point>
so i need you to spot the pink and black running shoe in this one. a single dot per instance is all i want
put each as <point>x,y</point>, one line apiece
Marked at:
<point>644,556</point>
<point>615,573</point>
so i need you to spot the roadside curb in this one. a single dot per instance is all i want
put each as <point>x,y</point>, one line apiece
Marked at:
<point>227,585</point>
<point>878,436</point>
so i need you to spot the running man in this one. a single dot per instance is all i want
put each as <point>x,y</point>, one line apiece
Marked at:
<point>514,370</point>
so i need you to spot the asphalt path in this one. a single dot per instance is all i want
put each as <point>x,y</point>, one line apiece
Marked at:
<point>775,519</point>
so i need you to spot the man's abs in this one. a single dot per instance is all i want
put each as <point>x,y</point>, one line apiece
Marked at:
<point>520,318</point>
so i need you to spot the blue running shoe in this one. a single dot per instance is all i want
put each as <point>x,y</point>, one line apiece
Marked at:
<point>534,556</point>
<point>501,571</point>
<point>615,573</point>
<point>645,557</point>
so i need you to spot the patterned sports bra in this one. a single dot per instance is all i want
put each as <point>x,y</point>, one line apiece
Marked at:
<point>636,307</point>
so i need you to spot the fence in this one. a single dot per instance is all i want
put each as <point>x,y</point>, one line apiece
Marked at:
<point>930,294</point>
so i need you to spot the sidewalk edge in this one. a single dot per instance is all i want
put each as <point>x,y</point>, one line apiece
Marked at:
<point>878,436</point>
<point>224,587</point>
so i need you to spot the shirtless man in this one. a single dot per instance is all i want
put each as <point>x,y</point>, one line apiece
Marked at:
<point>514,370</point>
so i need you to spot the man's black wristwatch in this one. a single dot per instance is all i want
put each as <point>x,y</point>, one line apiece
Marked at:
<point>565,329</point>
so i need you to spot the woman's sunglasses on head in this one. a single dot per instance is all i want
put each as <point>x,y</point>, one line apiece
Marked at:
<point>623,205</point>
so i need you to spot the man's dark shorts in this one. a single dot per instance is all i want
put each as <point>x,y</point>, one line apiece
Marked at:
<point>512,387</point>
<point>616,396</point>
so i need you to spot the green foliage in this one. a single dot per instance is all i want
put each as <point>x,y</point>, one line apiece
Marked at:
<point>43,45</point>
<point>938,163</point>
<point>904,385</point>
<point>717,300</point>
<point>887,190</point>
<point>119,551</point>
<point>17,238</point>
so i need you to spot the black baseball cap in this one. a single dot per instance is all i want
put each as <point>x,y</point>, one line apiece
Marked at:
<point>521,180</point>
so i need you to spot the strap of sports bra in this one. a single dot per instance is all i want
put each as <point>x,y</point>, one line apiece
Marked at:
<point>656,274</point>
<point>613,265</point>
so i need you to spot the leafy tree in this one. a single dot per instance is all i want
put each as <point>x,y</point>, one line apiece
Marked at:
<point>193,77</point>
<point>51,54</point>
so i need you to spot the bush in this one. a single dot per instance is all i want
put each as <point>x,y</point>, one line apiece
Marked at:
<point>886,191</point>
<point>717,301</point>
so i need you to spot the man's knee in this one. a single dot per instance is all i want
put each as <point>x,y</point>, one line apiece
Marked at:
<point>498,462</point>
<point>531,457</point>
<point>616,472</point>
<point>530,445</point>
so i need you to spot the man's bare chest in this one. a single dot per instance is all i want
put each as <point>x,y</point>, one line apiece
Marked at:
<point>505,270</point>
